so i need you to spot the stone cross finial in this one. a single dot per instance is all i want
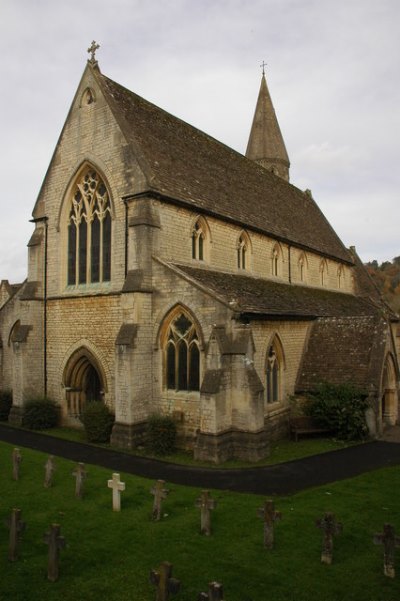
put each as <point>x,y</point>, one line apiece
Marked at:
<point>215,593</point>
<point>55,542</point>
<point>159,493</point>
<point>162,579</point>
<point>117,487</point>
<point>16,461</point>
<point>80,474</point>
<point>390,541</point>
<point>269,515</point>
<point>92,50</point>
<point>49,469</point>
<point>206,504</point>
<point>263,65</point>
<point>16,526</point>
<point>330,527</point>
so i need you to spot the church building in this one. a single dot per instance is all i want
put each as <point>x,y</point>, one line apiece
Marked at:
<point>170,274</point>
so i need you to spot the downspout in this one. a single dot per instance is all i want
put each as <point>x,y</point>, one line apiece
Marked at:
<point>126,235</point>
<point>289,265</point>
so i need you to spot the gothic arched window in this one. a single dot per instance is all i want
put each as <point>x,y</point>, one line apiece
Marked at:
<point>302,268</point>
<point>340,276</point>
<point>276,260</point>
<point>182,354</point>
<point>323,272</point>
<point>198,240</point>
<point>89,231</point>
<point>243,251</point>
<point>274,372</point>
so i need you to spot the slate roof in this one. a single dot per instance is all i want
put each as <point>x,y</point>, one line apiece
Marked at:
<point>261,297</point>
<point>186,165</point>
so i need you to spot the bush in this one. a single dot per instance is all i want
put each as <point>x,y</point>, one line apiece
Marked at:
<point>161,434</point>
<point>341,408</point>
<point>40,414</point>
<point>5,404</point>
<point>98,421</point>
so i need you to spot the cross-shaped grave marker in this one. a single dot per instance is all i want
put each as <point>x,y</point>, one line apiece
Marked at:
<point>206,504</point>
<point>330,527</point>
<point>16,462</point>
<point>269,515</point>
<point>80,474</point>
<point>16,526</point>
<point>49,469</point>
<point>390,541</point>
<point>159,493</point>
<point>215,593</point>
<point>55,542</point>
<point>117,487</point>
<point>162,579</point>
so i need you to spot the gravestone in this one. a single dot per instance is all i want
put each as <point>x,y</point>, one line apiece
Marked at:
<point>16,462</point>
<point>49,469</point>
<point>162,579</point>
<point>117,487</point>
<point>16,526</point>
<point>55,542</point>
<point>215,593</point>
<point>80,474</point>
<point>270,516</point>
<point>206,504</point>
<point>390,541</point>
<point>330,527</point>
<point>159,493</point>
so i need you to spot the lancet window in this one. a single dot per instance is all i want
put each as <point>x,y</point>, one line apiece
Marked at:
<point>182,355</point>
<point>276,260</point>
<point>243,252</point>
<point>273,373</point>
<point>198,241</point>
<point>89,231</point>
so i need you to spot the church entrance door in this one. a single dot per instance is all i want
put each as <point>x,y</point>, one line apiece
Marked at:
<point>83,382</point>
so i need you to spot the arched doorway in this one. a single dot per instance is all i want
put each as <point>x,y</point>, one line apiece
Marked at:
<point>83,381</point>
<point>389,394</point>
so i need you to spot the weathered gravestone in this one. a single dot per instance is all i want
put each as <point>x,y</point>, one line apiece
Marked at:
<point>330,527</point>
<point>269,516</point>
<point>159,493</point>
<point>55,542</point>
<point>215,593</point>
<point>49,469</point>
<point>117,487</point>
<point>162,579</point>
<point>206,504</point>
<point>16,526</point>
<point>16,462</point>
<point>390,541</point>
<point>80,474</point>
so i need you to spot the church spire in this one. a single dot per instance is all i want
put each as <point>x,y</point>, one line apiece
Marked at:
<point>266,145</point>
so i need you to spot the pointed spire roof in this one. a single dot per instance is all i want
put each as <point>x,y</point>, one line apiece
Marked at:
<point>266,145</point>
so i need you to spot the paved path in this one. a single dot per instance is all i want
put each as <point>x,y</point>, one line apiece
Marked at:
<point>284,478</point>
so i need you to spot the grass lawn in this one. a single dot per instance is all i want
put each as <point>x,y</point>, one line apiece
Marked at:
<point>109,555</point>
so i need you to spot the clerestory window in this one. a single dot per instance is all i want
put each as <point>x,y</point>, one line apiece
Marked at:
<point>89,231</point>
<point>182,355</point>
<point>242,252</point>
<point>198,239</point>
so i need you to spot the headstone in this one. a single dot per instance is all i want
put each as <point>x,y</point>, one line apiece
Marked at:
<point>330,527</point>
<point>159,493</point>
<point>55,542</point>
<point>117,487</point>
<point>80,474</point>
<point>162,579</point>
<point>390,541</point>
<point>206,504</point>
<point>49,469</point>
<point>215,593</point>
<point>270,516</point>
<point>16,526</point>
<point>16,461</point>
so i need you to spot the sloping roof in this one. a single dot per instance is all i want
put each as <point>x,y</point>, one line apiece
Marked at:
<point>261,297</point>
<point>188,166</point>
<point>344,350</point>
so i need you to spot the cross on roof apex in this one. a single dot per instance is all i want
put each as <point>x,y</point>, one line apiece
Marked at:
<point>92,50</point>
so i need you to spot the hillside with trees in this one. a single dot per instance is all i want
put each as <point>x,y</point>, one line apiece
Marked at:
<point>387,278</point>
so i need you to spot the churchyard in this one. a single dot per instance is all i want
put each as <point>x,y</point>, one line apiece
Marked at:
<point>114,532</point>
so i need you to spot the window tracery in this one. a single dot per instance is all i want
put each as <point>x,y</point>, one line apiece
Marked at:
<point>89,231</point>
<point>182,355</point>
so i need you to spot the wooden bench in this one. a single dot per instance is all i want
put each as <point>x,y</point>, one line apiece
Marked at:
<point>304,425</point>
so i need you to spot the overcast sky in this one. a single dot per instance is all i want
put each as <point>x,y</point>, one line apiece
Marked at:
<point>333,70</point>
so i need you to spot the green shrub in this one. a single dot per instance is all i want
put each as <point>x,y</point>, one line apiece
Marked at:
<point>161,434</point>
<point>5,404</point>
<point>340,408</point>
<point>98,421</point>
<point>40,414</point>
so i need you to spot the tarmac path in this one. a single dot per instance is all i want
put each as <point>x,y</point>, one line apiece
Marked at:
<point>280,479</point>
